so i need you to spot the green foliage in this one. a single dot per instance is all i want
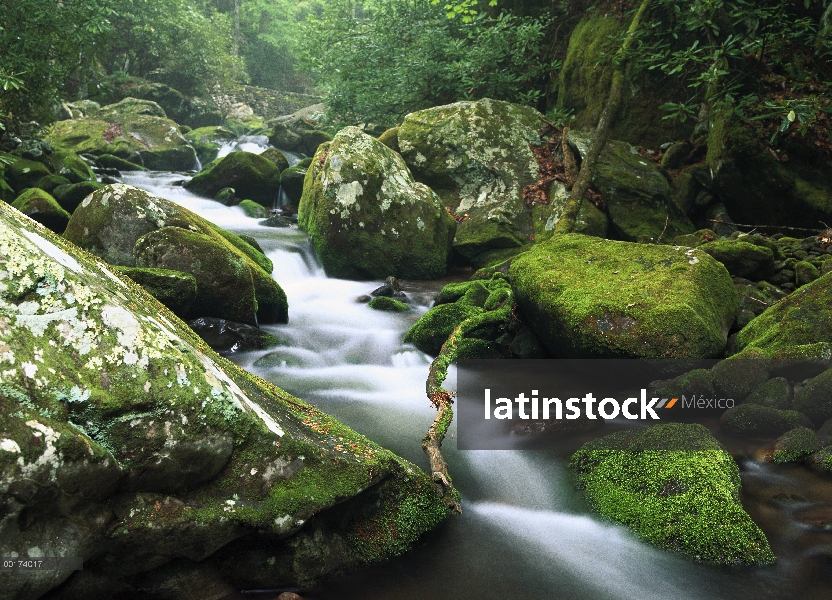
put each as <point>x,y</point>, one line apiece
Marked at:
<point>392,57</point>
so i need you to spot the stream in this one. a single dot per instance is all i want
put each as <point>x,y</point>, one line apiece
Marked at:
<point>525,531</point>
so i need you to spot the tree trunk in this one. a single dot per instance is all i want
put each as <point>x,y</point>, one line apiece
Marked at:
<point>566,223</point>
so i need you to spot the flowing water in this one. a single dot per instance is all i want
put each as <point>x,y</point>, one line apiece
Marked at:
<point>525,532</point>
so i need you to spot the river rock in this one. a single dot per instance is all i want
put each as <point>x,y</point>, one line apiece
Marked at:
<point>43,208</point>
<point>368,217</point>
<point>251,176</point>
<point>815,398</point>
<point>742,259</point>
<point>193,112</point>
<point>753,420</point>
<point>676,487</point>
<point>638,196</point>
<point>593,298</point>
<point>277,157</point>
<point>794,445</point>
<point>109,222</point>
<point>292,181</point>
<point>125,441</point>
<point>798,326</point>
<point>174,289</point>
<point>227,337</point>
<point>129,127</point>
<point>70,196</point>
<point>21,173</point>
<point>207,141</point>
<point>590,221</point>
<point>476,156</point>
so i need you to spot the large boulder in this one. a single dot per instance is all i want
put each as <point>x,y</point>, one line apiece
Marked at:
<point>207,141</point>
<point>109,222</point>
<point>126,442</point>
<point>43,208</point>
<point>131,129</point>
<point>638,196</point>
<point>756,187</point>
<point>368,217</point>
<point>251,176</point>
<point>477,157</point>
<point>594,298</point>
<point>798,326</point>
<point>21,173</point>
<point>677,488</point>
<point>193,112</point>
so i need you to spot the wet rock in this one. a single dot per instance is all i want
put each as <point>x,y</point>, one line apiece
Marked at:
<point>254,210</point>
<point>476,157</point>
<point>207,141</point>
<point>753,420</point>
<point>804,272</point>
<point>775,393</point>
<point>291,180</point>
<point>251,176</point>
<point>175,289</point>
<point>742,259</point>
<point>677,488</point>
<point>815,398</point>
<point>21,173</point>
<point>277,158</point>
<point>388,304</point>
<point>794,445</point>
<point>43,208</point>
<point>126,442</point>
<point>70,196</point>
<point>368,217</point>
<point>591,220</point>
<point>587,297</point>
<point>390,288</point>
<point>227,337</point>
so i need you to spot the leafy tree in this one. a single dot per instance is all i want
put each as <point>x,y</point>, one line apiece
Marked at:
<point>380,60</point>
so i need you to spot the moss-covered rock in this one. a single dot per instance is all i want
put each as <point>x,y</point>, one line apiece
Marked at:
<point>805,272</point>
<point>110,221</point>
<point>175,289</point>
<point>207,141</point>
<point>738,377</point>
<point>253,209</point>
<point>476,156</point>
<point>753,420</point>
<point>108,161</point>
<point>368,217</point>
<point>71,166</point>
<point>48,183</point>
<point>592,298</point>
<point>390,138</point>
<point>775,393</point>
<point>794,445</point>
<point>70,196</point>
<point>292,182</point>
<point>193,112</point>
<point>758,188</point>
<point>125,436</point>
<point>798,326</point>
<point>21,173</point>
<point>741,258</point>
<point>227,337</point>
<point>486,307</point>
<point>677,488</point>
<point>129,128</point>
<point>277,157</point>
<point>251,176</point>
<point>591,220</point>
<point>815,398</point>
<point>43,208</point>
<point>695,239</point>
<point>638,196</point>
<point>388,304</point>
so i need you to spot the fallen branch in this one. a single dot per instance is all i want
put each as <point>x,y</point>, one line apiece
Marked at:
<point>768,226</point>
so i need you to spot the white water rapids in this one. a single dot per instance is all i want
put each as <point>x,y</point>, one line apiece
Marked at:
<point>525,532</point>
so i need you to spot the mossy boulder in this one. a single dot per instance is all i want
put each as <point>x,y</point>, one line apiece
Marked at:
<point>21,173</point>
<point>193,112</point>
<point>741,258</point>
<point>71,166</point>
<point>477,157</point>
<point>798,326</point>
<point>227,337</point>
<point>638,196</point>
<point>804,272</point>
<point>277,157</point>
<point>775,393</point>
<point>815,398</point>
<point>207,141</point>
<point>43,208</point>
<point>108,161</point>
<point>756,187</point>
<point>485,306</point>
<point>128,129</point>
<point>253,209</point>
<point>591,220</point>
<point>794,445</point>
<point>593,298</point>
<point>388,304</point>
<point>753,420</point>
<point>251,176</point>
<point>368,217</point>
<point>174,289</point>
<point>390,138</point>
<point>109,222</point>
<point>70,196</point>
<point>48,183</point>
<point>124,436</point>
<point>676,487</point>
<point>292,181</point>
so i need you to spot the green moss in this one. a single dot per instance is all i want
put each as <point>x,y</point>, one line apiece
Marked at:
<point>388,304</point>
<point>738,376</point>
<point>588,297</point>
<point>805,272</point>
<point>390,138</point>
<point>794,445</point>
<point>591,220</point>
<point>677,488</point>
<point>741,258</point>
<point>277,158</point>
<point>49,182</point>
<point>251,176</point>
<point>774,393</point>
<point>174,289</point>
<point>254,210</point>
<point>21,173</point>
<point>70,196</point>
<point>430,332</point>
<point>43,208</point>
<point>815,398</point>
<point>109,161</point>
<point>753,420</point>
